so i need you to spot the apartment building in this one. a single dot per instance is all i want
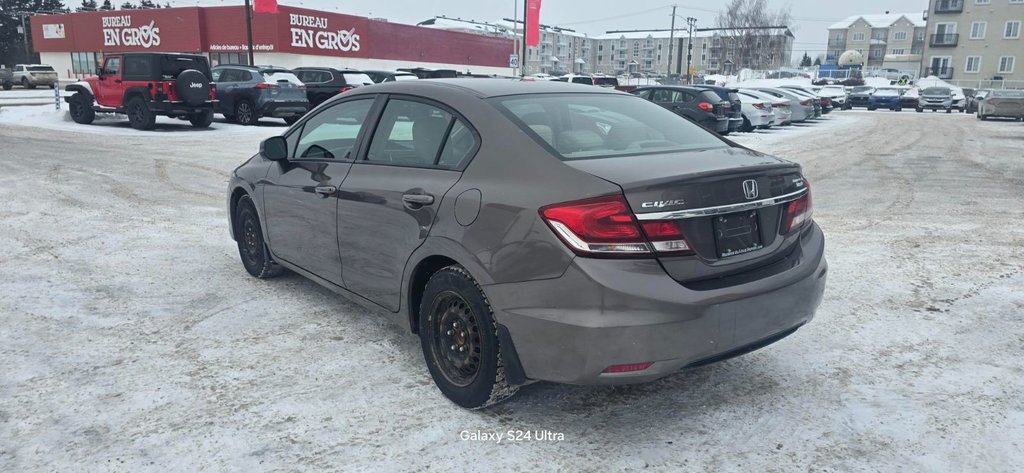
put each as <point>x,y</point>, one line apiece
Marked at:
<point>890,41</point>
<point>561,50</point>
<point>715,51</point>
<point>974,39</point>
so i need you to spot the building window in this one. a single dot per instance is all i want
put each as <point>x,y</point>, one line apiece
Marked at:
<point>973,64</point>
<point>916,51</point>
<point>983,2</point>
<point>978,29</point>
<point>85,63</point>
<point>1012,30</point>
<point>877,53</point>
<point>840,36</point>
<point>920,35</point>
<point>600,59</point>
<point>899,36</point>
<point>898,52</point>
<point>858,36</point>
<point>229,58</point>
<point>1016,1</point>
<point>600,47</point>
<point>636,48</point>
<point>1006,64</point>
<point>878,35</point>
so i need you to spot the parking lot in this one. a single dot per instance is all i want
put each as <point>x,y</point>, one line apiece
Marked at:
<point>132,339</point>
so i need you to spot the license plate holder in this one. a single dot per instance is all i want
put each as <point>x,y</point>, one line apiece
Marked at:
<point>737,233</point>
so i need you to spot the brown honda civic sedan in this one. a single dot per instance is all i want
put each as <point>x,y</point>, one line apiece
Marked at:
<point>535,230</point>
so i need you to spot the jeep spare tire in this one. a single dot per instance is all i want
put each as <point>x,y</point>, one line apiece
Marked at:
<point>193,87</point>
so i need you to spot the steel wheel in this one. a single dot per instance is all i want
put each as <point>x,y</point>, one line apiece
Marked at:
<point>251,249</point>
<point>456,338</point>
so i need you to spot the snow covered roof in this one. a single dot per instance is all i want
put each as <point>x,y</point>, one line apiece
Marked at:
<point>469,26</point>
<point>680,33</point>
<point>881,21</point>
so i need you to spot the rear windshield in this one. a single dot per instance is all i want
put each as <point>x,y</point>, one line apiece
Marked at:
<point>280,76</point>
<point>406,77</point>
<point>887,92</point>
<point>583,80</point>
<point>359,78</point>
<point>587,126</point>
<point>936,91</point>
<point>833,90</point>
<point>172,66</point>
<point>606,81</point>
<point>860,90</point>
<point>1015,94</point>
<point>40,69</point>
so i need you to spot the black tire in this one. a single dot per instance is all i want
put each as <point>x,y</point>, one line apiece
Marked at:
<point>920,110</point>
<point>26,84</point>
<point>252,249</point>
<point>80,109</point>
<point>747,127</point>
<point>465,359</point>
<point>229,118</point>
<point>872,109</point>
<point>898,109</point>
<point>949,110</point>
<point>202,119</point>
<point>139,114</point>
<point>8,85</point>
<point>245,113</point>
<point>291,120</point>
<point>983,117</point>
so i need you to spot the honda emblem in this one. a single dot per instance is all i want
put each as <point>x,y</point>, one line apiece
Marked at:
<point>750,189</point>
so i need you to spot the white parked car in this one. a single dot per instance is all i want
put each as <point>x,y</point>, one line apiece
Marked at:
<point>837,93</point>
<point>781,113</point>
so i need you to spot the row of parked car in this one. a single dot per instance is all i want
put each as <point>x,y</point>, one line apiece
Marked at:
<point>28,76</point>
<point>726,110</point>
<point>997,103</point>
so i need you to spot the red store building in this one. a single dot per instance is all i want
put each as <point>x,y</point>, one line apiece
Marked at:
<point>74,43</point>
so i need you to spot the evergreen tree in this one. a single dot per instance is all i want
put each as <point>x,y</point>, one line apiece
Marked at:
<point>88,5</point>
<point>128,6</point>
<point>106,5</point>
<point>806,61</point>
<point>147,4</point>
<point>12,43</point>
<point>817,61</point>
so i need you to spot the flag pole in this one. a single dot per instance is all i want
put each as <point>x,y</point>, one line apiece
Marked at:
<point>522,60</point>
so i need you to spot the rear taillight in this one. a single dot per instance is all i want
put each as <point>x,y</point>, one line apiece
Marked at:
<point>345,89</point>
<point>602,225</point>
<point>798,212</point>
<point>706,107</point>
<point>606,226</point>
<point>759,106</point>
<point>264,85</point>
<point>805,102</point>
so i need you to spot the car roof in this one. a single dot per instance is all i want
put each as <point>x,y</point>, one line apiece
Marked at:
<point>483,87</point>
<point>156,54</point>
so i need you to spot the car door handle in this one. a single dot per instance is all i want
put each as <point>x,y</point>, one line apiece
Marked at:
<point>117,81</point>
<point>415,201</point>
<point>325,191</point>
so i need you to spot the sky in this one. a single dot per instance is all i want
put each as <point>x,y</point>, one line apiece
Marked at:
<point>812,17</point>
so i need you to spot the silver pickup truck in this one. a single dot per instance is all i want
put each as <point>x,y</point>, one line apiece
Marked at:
<point>31,76</point>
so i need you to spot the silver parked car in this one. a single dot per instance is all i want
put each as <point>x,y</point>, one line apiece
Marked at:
<point>802,107</point>
<point>535,230</point>
<point>31,76</point>
<point>757,113</point>
<point>1002,103</point>
<point>780,106</point>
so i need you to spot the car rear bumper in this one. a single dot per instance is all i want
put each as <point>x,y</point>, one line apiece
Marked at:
<point>606,312</point>
<point>284,109</point>
<point>41,80</point>
<point>178,108</point>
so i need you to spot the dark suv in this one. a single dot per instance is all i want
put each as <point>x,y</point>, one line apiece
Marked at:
<point>144,85</point>
<point>248,93</point>
<point>703,107</point>
<point>735,112</point>
<point>323,83</point>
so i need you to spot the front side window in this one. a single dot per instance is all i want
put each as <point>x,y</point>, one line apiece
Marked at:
<point>332,133</point>
<point>586,126</point>
<point>113,66</point>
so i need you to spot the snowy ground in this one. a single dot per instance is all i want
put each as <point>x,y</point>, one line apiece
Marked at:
<point>131,339</point>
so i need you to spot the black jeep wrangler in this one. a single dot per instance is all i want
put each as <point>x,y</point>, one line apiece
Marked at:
<point>144,85</point>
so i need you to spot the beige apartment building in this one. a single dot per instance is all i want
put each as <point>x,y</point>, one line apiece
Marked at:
<point>888,41</point>
<point>974,40</point>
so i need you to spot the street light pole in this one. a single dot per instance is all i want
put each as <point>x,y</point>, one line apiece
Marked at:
<point>24,37</point>
<point>691,22</point>
<point>671,40</point>
<point>248,30</point>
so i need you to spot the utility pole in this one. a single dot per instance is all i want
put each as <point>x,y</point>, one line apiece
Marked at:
<point>248,30</point>
<point>24,38</point>
<point>671,40</point>
<point>691,22</point>
<point>515,47</point>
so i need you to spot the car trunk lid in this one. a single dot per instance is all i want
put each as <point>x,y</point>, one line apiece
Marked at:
<point>695,189</point>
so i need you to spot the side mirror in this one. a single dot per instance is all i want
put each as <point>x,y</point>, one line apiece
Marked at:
<point>274,148</point>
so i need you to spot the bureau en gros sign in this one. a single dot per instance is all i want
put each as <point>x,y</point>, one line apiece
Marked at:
<point>312,32</point>
<point>118,31</point>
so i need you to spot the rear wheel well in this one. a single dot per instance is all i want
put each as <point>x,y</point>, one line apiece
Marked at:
<point>424,270</point>
<point>236,196</point>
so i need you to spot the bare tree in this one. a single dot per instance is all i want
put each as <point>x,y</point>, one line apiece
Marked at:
<point>753,45</point>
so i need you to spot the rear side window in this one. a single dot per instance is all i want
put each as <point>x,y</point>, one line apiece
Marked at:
<point>410,134</point>
<point>583,80</point>
<point>136,68</point>
<point>586,126</point>
<point>460,145</point>
<point>606,81</point>
<point>668,96</point>
<point>332,133</point>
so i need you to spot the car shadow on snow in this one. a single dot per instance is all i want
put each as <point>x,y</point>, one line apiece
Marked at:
<point>173,125</point>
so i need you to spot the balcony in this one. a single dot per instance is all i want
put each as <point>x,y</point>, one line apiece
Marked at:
<point>949,6</point>
<point>944,40</point>
<point>940,72</point>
